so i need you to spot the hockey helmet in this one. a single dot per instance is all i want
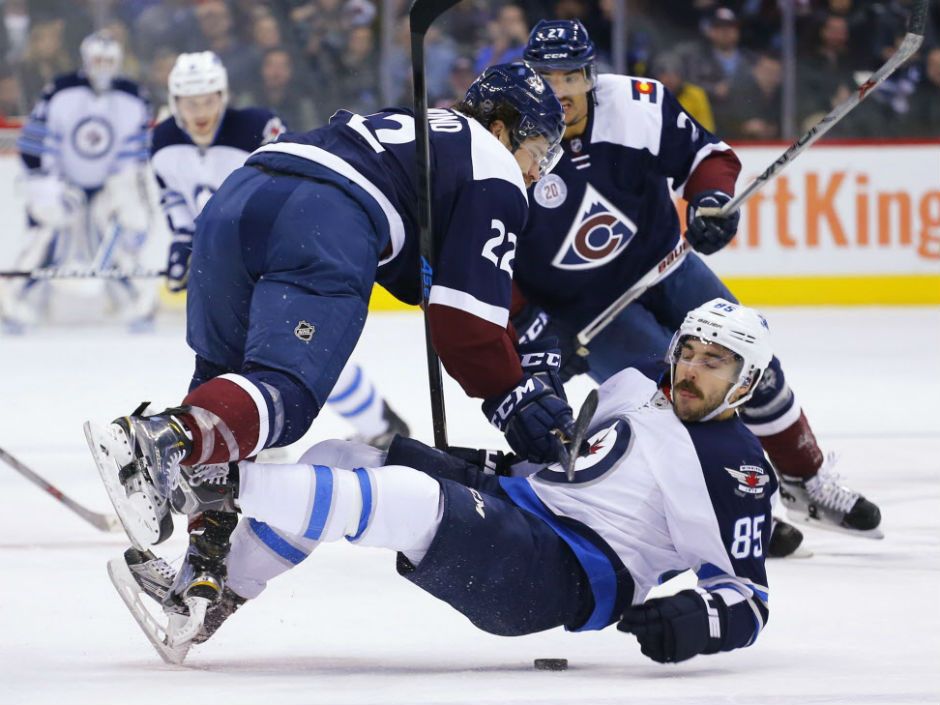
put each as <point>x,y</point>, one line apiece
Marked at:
<point>561,45</point>
<point>737,328</point>
<point>540,113</point>
<point>102,57</point>
<point>198,73</point>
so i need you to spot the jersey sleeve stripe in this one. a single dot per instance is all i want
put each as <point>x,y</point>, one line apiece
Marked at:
<point>396,226</point>
<point>445,296</point>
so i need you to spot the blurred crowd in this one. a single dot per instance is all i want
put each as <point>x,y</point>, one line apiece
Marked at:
<point>306,58</point>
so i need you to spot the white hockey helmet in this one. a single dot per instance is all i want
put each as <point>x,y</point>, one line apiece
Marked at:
<point>198,73</point>
<point>102,57</point>
<point>740,329</point>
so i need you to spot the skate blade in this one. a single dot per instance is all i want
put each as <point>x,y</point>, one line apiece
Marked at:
<point>161,636</point>
<point>135,511</point>
<point>805,520</point>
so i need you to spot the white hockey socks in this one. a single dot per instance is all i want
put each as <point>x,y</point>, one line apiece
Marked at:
<point>356,399</point>
<point>389,507</point>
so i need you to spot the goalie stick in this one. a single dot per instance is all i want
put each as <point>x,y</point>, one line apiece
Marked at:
<point>104,522</point>
<point>422,14</point>
<point>909,46</point>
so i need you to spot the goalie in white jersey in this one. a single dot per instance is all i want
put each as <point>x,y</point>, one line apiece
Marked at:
<point>670,480</point>
<point>85,153</point>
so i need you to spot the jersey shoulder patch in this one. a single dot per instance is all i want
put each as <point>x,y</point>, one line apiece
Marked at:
<point>628,112</point>
<point>732,460</point>
<point>248,128</point>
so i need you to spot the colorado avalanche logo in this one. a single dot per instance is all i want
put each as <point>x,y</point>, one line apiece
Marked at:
<point>599,233</point>
<point>535,83</point>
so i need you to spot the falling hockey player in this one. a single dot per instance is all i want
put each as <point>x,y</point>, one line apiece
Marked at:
<point>87,202</point>
<point>605,217</point>
<point>315,218</point>
<point>192,153</point>
<point>671,480</point>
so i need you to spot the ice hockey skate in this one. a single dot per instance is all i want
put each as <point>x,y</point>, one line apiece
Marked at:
<point>138,459</point>
<point>821,502</point>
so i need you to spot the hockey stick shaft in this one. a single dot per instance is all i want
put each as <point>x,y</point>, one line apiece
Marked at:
<point>909,46</point>
<point>104,522</point>
<point>421,15</point>
<point>666,266</point>
<point>47,273</point>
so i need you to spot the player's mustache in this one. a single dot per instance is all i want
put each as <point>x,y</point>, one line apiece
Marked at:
<point>689,387</point>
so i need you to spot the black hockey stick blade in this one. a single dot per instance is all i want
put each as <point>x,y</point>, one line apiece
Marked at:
<point>103,522</point>
<point>585,416</point>
<point>424,12</point>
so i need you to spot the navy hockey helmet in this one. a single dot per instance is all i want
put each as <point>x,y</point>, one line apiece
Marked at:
<point>561,45</point>
<point>540,113</point>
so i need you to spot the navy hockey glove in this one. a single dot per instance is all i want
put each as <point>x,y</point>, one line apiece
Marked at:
<point>534,325</point>
<point>177,265</point>
<point>534,419</point>
<point>676,628</point>
<point>709,234</point>
<point>542,359</point>
<point>490,462</point>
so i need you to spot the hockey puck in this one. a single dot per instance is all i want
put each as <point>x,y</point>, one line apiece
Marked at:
<point>551,664</point>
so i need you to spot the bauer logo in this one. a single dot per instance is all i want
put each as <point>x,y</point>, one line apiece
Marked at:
<point>599,233</point>
<point>304,331</point>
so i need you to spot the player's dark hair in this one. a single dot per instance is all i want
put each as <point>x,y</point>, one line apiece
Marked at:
<point>501,111</point>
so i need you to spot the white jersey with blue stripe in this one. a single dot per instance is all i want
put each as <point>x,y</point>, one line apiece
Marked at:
<point>188,175</point>
<point>84,137</point>
<point>668,496</point>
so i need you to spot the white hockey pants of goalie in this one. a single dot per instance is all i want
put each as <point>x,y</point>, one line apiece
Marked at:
<point>317,500</point>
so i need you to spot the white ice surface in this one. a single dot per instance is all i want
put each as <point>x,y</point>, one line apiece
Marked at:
<point>857,623</point>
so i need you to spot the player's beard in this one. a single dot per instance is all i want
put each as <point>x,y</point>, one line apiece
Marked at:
<point>690,411</point>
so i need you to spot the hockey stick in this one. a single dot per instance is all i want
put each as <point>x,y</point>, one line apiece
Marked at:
<point>104,522</point>
<point>585,416</point>
<point>664,268</point>
<point>422,14</point>
<point>46,273</point>
<point>912,41</point>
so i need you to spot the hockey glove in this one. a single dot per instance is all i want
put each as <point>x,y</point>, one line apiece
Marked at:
<point>177,266</point>
<point>534,419</point>
<point>535,325</point>
<point>676,628</point>
<point>709,234</point>
<point>490,462</point>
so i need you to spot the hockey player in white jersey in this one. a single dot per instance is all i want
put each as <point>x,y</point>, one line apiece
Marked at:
<point>85,152</point>
<point>192,152</point>
<point>670,480</point>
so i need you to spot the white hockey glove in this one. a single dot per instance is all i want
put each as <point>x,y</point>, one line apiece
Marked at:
<point>52,202</point>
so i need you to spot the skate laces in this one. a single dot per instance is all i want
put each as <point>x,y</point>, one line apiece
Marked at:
<point>824,488</point>
<point>208,475</point>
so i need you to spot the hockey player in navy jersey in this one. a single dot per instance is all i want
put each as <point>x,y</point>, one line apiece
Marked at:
<point>192,152</point>
<point>84,150</point>
<point>670,480</point>
<point>605,217</point>
<point>284,258</point>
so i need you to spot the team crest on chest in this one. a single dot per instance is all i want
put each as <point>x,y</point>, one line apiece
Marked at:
<point>599,233</point>
<point>93,137</point>
<point>751,480</point>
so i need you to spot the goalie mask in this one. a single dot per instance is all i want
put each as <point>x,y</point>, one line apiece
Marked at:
<point>740,332</point>
<point>102,57</point>
<point>194,75</point>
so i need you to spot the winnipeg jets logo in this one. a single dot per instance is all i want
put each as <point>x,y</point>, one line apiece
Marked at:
<point>92,137</point>
<point>751,480</point>
<point>605,449</point>
<point>599,233</point>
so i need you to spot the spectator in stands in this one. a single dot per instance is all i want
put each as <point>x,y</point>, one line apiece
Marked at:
<point>11,97</point>
<point>717,61</point>
<point>356,82</point>
<point>507,34</point>
<point>440,52</point>
<point>667,68</point>
<point>825,76</point>
<point>45,57</point>
<point>158,74</point>
<point>215,23</point>
<point>923,119</point>
<point>284,93</point>
<point>757,101</point>
<point>168,24</point>
<point>14,31</point>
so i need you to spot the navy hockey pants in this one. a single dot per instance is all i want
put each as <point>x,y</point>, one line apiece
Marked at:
<point>281,275</point>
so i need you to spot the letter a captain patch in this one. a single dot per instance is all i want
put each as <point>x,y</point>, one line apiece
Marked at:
<point>643,90</point>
